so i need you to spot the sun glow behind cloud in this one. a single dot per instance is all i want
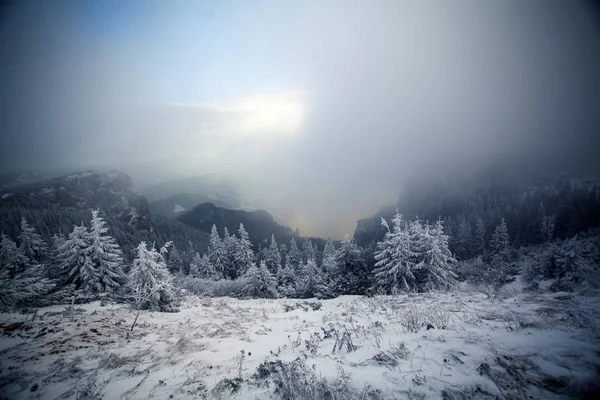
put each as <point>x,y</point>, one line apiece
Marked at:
<point>268,115</point>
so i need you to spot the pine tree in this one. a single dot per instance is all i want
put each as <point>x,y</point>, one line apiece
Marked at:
<point>500,239</point>
<point>293,258</point>
<point>244,256</point>
<point>272,256</point>
<point>463,242</point>
<point>150,280</point>
<point>71,262</point>
<point>32,245</point>
<point>309,252</point>
<point>479,238</point>
<point>311,283</point>
<point>195,266</point>
<point>286,281</point>
<point>217,253</point>
<point>12,260</point>
<point>328,260</point>
<point>25,286</point>
<point>207,270</point>
<point>393,271</point>
<point>230,243</point>
<point>260,283</point>
<point>351,268</point>
<point>436,265</point>
<point>104,257</point>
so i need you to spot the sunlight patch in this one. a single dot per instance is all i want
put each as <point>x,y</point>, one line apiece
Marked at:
<point>261,114</point>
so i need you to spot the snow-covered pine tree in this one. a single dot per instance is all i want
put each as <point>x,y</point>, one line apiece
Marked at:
<point>150,280</point>
<point>32,245</point>
<point>70,261</point>
<point>293,259</point>
<point>309,252</point>
<point>479,237</point>
<point>352,269</point>
<point>12,260</point>
<point>328,260</point>
<point>230,244</point>
<point>260,283</point>
<point>217,253</point>
<point>272,256</point>
<point>25,286</point>
<point>393,271</point>
<point>103,258</point>
<point>286,280</point>
<point>500,238</point>
<point>244,256</point>
<point>437,273</point>
<point>312,282</point>
<point>207,270</point>
<point>194,270</point>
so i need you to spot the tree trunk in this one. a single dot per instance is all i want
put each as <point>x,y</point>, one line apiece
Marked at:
<point>136,317</point>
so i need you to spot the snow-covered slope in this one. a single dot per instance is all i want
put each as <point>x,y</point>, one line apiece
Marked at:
<point>430,346</point>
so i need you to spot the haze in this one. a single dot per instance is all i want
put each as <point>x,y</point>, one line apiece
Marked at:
<point>322,109</point>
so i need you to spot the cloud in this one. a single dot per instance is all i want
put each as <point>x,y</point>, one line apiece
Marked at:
<point>263,114</point>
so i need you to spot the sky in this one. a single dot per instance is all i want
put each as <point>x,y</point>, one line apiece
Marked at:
<point>319,108</point>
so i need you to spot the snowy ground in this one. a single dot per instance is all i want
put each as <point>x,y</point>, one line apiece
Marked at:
<point>430,346</point>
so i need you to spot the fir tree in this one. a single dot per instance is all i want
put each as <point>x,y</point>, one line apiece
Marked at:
<point>328,259</point>
<point>293,258</point>
<point>244,256</point>
<point>311,283</point>
<point>436,265</point>
<point>25,286</point>
<point>32,245</point>
<point>103,258</point>
<point>70,261</point>
<point>479,238</point>
<point>286,280</point>
<point>230,244</point>
<point>194,270</point>
<point>393,271</point>
<point>150,280</point>
<point>260,283</point>
<point>351,268</point>
<point>12,260</point>
<point>272,256</point>
<point>217,253</point>
<point>309,252</point>
<point>500,239</point>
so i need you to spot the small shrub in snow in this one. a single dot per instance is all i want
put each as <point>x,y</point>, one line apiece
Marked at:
<point>412,319</point>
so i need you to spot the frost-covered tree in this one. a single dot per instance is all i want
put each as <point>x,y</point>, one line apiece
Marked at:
<point>260,282</point>
<point>548,225</point>
<point>286,280</point>
<point>393,271</point>
<point>176,263</point>
<point>500,238</point>
<point>272,256</point>
<point>434,269</point>
<point>312,282</point>
<point>293,259</point>
<point>244,256</point>
<point>12,260</point>
<point>309,252</point>
<point>150,280</point>
<point>352,272</point>
<point>70,261</point>
<point>479,237</point>
<point>217,253</point>
<point>230,243</point>
<point>32,245</point>
<point>207,270</point>
<point>194,270</point>
<point>328,259</point>
<point>104,258</point>
<point>22,287</point>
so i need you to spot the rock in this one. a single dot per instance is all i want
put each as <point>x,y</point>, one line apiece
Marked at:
<point>34,387</point>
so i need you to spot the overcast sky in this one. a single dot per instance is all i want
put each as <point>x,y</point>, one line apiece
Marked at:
<point>324,106</point>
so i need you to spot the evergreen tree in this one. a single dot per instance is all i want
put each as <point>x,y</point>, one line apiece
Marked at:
<point>260,283</point>
<point>479,237</point>
<point>393,271</point>
<point>244,256</point>
<point>24,286</point>
<point>353,275</point>
<point>309,252</point>
<point>435,267</point>
<point>217,253</point>
<point>207,270</point>
<point>70,261</point>
<point>286,280</point>
<point>463,242</point>
<point>272,256</point>
<point>12,260</point>
<point>176,263</point>
<point>32,245</point>
<point>328,260</point>
<point>500,239</point>
<point>103,256</point>
<point>293,258</point>
<point>230,243</point>
<point>150,280</point>
<point>195,266</point>
<point>311,283</point>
